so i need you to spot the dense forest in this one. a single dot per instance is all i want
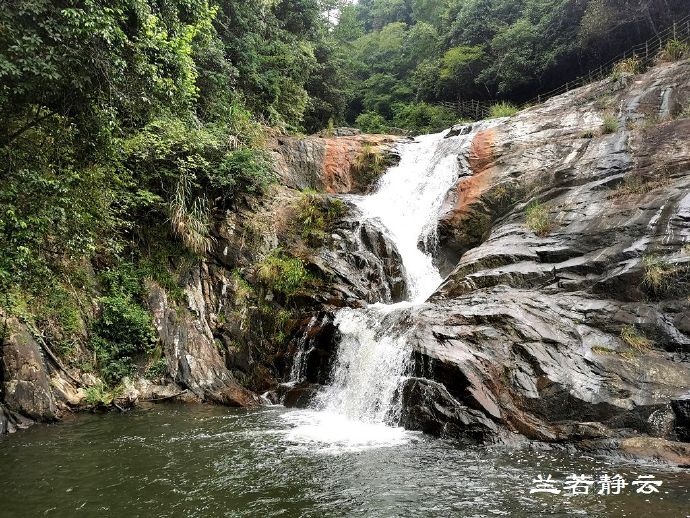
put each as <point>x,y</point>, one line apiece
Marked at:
<point>402,56</point>
<point>128,124</point>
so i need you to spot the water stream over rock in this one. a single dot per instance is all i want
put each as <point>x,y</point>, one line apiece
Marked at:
<point>361,405</point>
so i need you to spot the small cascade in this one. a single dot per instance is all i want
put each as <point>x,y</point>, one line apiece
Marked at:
<point>360,406</point>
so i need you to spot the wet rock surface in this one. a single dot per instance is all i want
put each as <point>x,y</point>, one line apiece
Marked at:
<point>573,326</point>
<point>429,407</point>
<point>328,164</point>
<point>193,359</point>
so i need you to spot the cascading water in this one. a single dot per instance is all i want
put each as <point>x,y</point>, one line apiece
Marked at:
<point>373,356</point>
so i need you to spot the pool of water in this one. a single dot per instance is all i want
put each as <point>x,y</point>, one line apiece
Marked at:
<point>211,461</point>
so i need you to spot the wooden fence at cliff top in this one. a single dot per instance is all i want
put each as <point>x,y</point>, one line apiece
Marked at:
<point>646,53</point>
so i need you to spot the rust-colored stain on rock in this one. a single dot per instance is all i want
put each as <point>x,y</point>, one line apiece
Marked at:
<point>481,162</point>
<point>337,164</point>
<point>340,156</point>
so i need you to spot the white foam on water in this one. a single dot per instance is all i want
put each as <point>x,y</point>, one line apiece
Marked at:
<point>356,411</point>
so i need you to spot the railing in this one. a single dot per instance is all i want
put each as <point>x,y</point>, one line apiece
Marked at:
<point>645,52</point>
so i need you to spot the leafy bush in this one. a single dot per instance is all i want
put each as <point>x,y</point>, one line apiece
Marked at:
<point>124,329</point>
<point>675,50</point>
<point>100,395</point>
<point>537,218</point>
<point>285,275</point>
<point>420,118</point>
<point>156,370</point>
<point>610,125</point>
<point>503,109</point>
<point>372,122</point>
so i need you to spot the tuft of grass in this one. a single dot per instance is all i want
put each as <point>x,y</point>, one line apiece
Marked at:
<point>610,125</point>
<point>637,183</point>
<point>587,134</point>
<point>370,164</point>
<point>628,66</point>
<point>675,50</point>
<point>537,218</point>
<point>658,273</point>
<point>634,338</point>
<point>190,217</point>
<point>283,274</point>
<point>316,214</point>
<point>502,109</point>
<point>627,354</point>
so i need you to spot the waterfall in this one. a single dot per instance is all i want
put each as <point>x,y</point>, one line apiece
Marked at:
<point>373,355</point>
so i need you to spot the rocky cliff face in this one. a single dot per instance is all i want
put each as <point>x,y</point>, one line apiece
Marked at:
<point>228,332</point>
<point>564,315</point>
<point>565,312</point>
<point>329,164</point>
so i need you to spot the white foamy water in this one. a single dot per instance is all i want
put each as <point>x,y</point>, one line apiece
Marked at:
<point>408,201</point>
<point>356,411</point>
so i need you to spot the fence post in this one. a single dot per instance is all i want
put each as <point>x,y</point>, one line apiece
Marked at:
<point>646,49</point>
<point>674,30</point>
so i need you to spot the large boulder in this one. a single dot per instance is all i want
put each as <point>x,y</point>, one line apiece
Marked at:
<point>25,376</point>
<point>193,360</point>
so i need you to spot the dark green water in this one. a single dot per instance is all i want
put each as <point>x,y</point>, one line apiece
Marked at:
<point>210,461</point>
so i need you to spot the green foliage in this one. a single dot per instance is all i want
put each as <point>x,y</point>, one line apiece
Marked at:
<point>538,219</point>
<point>157,370</point>
<point>634,338</point>
<point>675,50</point>
<point>124,329</point>
<point>369,165</point>
<point>315,215</point>
<point>100,395</point>
<point>282,274</point>
<point>404,51</point>
<point>372,122</point>
<point>610,125</point>
<point>503,109</point>
<point>419,118</point>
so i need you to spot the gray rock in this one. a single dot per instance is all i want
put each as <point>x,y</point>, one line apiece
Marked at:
<point>193,360</point>
<point>25,377</point>
<point>429,407</point>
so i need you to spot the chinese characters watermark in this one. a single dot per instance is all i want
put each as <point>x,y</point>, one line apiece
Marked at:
<point>603,485</point>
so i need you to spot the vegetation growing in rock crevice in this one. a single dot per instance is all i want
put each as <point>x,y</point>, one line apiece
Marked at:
<point>675,50</point>
<point>635,339</point>
<point>538,219</point>
<point>282,274</point>
<point>502,109</point>
<point>370,164</point>
<point>609,125</point>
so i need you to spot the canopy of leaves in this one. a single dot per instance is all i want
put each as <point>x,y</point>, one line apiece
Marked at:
<point>416,51</point>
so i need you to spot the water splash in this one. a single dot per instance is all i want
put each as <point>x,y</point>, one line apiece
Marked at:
<point>360,407</point>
